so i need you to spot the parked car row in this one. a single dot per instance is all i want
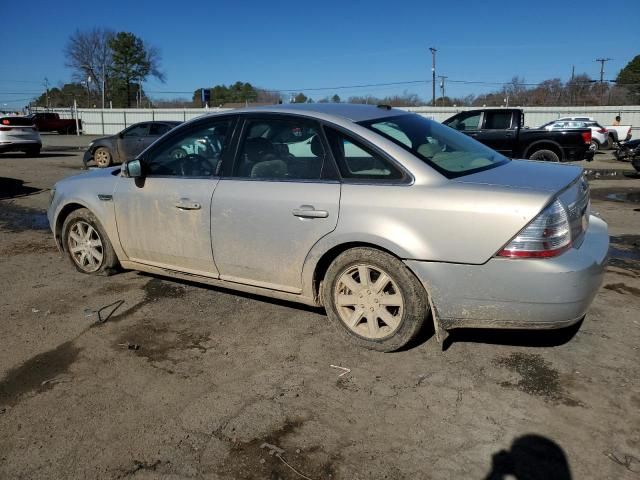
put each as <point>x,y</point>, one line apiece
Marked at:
<point>371,212</point>
<point>503,130</point>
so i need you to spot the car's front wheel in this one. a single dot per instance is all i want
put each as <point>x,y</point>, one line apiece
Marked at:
<point>87,244</point>
<point>102,156</point>
<point>374,299</point>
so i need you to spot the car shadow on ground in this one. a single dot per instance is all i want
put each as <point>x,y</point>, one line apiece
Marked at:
<point>14,187</point>
<point>531,457</point>
<point>518,338</point>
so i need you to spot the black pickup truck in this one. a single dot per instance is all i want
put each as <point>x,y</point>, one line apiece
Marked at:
<point>503,130</point>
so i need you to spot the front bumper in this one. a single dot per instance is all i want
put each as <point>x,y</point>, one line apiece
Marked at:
<point>518,293</point>
<point>88,156</point>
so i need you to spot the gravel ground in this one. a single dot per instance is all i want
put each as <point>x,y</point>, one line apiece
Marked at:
<point>188,381</point>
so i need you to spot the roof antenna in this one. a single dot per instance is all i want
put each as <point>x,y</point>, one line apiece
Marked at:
<point>386,107</point>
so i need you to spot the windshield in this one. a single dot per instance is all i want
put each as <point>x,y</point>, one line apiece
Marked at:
<point>451,153</point>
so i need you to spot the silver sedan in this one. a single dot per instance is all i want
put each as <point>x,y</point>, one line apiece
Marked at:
<point>386,219</point>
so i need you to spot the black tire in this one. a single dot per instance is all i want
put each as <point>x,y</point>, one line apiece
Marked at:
<point>594,145</point>
<point>544,155</point>
<point>414,311</point>
<point>102,156</point>
<point>109,260</point>
<point>32,152</point>
<point>610,141</point>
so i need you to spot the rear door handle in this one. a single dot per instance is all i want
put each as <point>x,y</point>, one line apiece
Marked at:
<point>308,211</point>
<point>186,204</point>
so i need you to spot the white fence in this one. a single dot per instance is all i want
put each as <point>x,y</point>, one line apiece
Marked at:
<point>98,121</point>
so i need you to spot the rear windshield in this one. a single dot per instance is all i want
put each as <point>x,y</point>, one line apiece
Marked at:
<point>451,153</point>
<point>16,121</point>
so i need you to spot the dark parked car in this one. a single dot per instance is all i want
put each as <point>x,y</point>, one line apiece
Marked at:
<point>127,144</point>
<point>503,130</point>
<point>51,122</point>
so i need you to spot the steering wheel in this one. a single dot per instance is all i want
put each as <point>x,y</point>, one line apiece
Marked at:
<point>194,165</point>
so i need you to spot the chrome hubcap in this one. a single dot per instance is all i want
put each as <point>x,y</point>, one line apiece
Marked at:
<point>368,301</point>
<point>85,246</point>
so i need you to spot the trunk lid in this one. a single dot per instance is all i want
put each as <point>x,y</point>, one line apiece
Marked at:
<point>564,182</point>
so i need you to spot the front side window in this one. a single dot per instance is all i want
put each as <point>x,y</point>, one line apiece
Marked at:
<point>195,152</point>
<point>280,149</point>
<point>469,121</point>
<point>451,153</point>
<point>358,162</point>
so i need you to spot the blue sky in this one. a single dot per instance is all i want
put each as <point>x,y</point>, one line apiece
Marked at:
<point>295,46</point>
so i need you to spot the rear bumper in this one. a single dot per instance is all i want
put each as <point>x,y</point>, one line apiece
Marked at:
<point>516,293</point>
<point>20,146</point>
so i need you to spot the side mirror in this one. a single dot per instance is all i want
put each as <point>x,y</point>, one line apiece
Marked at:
<point>133,169</point>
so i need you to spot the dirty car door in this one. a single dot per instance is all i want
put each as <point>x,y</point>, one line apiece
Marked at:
<point>132,141</point>
<point>164,219</point>
<point>275,204</point>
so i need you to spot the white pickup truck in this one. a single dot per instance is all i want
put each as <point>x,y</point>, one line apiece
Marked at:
<point>615,133</point>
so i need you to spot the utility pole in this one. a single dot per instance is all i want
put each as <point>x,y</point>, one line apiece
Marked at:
<point>442,79</point>
<point>433,76</point>
<point>103,81</point>
<point>46,86</point>
<point>602,62</point>
<point>573,85</point>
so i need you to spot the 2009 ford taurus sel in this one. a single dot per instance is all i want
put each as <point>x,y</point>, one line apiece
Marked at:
<point>385,218</point>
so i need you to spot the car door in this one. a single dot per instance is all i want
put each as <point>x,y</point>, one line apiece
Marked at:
<point>164,218</point>
<point>498,131</point>
<point>132,141</point>
<point>274,203</point>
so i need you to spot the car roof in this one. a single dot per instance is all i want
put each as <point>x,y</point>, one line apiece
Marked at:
<point>342,111</point>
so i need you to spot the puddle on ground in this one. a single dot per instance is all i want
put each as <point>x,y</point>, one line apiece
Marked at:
<point>15,218</point>
<point>633,197</point>
<point>37,374</point>
<point>258,458</point>
<point>537,377</point>
<point>619,195</point>
<point>624,252</point>
<point>611,174</point>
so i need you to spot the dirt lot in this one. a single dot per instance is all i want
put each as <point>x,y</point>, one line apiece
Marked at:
<point>186,381</point>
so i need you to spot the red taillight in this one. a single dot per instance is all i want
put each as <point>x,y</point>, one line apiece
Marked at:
<point>5,121</point>
<point>548,235</point>
<point>5,129</point>
<point>602,130</point>
<point>586,136</point>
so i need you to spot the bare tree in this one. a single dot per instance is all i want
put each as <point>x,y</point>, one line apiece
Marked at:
<point>89,55</point>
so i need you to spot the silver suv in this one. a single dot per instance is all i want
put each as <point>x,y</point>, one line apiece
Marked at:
<point>385,218</point>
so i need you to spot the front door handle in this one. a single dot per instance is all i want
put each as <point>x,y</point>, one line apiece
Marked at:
<point>186,204</point>
<point>308,211</point>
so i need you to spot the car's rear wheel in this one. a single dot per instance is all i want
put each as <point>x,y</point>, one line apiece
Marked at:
<point>545,155</point>
<point>594,145</point>
<point>87,244</point>
<point>102,157</point>
<point>32,152</point>
<point>375,299</point>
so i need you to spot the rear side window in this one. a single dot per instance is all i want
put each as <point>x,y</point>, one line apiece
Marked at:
<point>158,129</point>
<point>357,161</point>
<point>498,120</point>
